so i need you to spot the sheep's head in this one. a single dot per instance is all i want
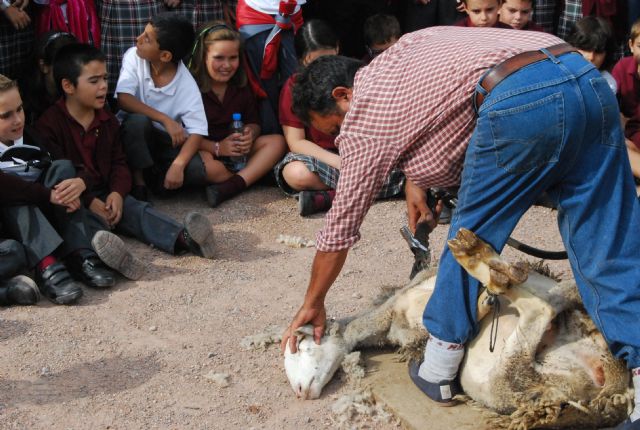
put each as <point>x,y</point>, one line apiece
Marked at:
<point>313,366</point>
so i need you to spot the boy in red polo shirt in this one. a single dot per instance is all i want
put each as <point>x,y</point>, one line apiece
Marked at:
<point>481,13</point>
<point>627,75</point>
<point>78,128</point>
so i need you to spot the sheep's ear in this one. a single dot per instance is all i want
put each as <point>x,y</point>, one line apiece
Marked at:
<point>305,330</point>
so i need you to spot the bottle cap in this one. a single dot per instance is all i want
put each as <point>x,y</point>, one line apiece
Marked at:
<point>236,116</point>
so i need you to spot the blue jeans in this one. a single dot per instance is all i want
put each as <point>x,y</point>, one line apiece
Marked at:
<point>553,125</point>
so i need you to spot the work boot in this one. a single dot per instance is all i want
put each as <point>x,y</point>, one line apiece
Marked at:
<point>86,266</point>
<point>19,290</point>
<point>311,202</point>
<point>198,235</point>
<point>56,284</point>
<point>114,253</point>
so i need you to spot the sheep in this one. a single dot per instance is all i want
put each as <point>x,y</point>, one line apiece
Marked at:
<point>550,367</point>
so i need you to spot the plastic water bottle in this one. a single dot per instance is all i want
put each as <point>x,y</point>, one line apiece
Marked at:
<point>237,126</point>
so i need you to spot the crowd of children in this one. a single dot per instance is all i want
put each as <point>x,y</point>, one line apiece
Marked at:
<point>123,117</point>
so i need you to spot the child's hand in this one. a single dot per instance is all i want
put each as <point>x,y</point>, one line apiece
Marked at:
<point>68,190</point>
<point>175,130</point>
<point>113,206</point>
<point>245,141</point>
<point>174,177</point>
<point>74,205</point>
<point>229,146</point>
<point>98,207</point>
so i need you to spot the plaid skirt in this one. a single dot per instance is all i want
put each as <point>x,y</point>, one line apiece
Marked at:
<point>329,175</point>
<point>201,12</point>
<point>16,47</point>
<point>571,14</point>
<point>544,14</point>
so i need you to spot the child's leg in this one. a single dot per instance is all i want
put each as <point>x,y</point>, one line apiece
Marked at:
<point>299,177</point>
<point>138,140</point>
<point>266,152</point>
<point>216,172</point>
<point>634,160</point>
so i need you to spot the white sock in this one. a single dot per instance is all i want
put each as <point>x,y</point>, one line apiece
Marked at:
<point>441,360</point>
<point>635,415</point>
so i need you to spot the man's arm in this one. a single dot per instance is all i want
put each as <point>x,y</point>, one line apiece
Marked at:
<point>326,268</point>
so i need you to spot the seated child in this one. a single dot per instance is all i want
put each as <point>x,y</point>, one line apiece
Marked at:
<point>517,14</point>
<point>44,214</point>
<point>312,167</point>
<point>78,128</point>
<point>481,13</point>
<point>593,38</point>
<point>166,119</point>
<point>39,89</point>
<point>15,289</point>
<point>216,67</point>
<point>627,76</point>
<point>380,32</point>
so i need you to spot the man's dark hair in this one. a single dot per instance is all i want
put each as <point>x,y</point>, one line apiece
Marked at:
<point>312,89</point>
<point>593,34</point>
<point>70,60</point>
<point>174,33</point>
<point>380,29</point>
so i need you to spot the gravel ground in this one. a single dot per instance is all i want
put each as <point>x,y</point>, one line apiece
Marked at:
<point>150,354</point>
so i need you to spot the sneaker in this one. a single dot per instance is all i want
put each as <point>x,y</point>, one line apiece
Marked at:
<point>19,290</point>
<point>56,284</point>
<point>198,235</point>
<point>115,254</point>
<point>311,202</point>
<point>442,392</point>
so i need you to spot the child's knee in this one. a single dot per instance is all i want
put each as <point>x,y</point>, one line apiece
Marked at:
<point>298,176</point>
<point>58,172</point>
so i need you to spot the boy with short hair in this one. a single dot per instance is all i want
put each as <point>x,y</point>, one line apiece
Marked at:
<point>44,215</point>
<point>78,128</point>
<point>627,75</point>
<point>166,119</point>
<point>481,13</point>
<point>518,15</point>
<point>380,32</point>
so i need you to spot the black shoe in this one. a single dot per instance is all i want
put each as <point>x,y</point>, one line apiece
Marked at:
<point>56,284</point>
<point>198,235</point>
<point>19,290</point>
<point>90,270</point>
<point>140,193</point>
<point>311,202</point>
<point>213,196</point>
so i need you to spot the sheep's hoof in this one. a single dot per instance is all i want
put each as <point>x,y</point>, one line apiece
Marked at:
<point>483,263</point>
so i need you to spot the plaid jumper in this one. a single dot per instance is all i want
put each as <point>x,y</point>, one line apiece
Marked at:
<point>411,109</point>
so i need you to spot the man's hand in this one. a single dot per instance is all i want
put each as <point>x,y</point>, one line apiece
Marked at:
<point>113,206</point>
<point>417,208</point>
<point>308,314</point>
<point>68,190</point>
<point>174,177</point>
<point>176,131</point>
<point>18,18</point>
<point>98,207</point>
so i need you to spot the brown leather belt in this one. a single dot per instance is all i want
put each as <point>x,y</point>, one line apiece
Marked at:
<point>515,63</point>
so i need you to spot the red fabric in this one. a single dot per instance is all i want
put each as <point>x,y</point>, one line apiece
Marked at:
<point>46,262</point>
<point>106,167</point>
<point>288,118</point>
<point>248,16</point>
<point>625,72</point>
<point>81,17</point>
<point>602,8</point>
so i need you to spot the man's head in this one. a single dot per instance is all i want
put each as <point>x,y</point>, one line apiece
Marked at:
<point>594,39</point>
<point>167,38</point>
<point>80,72</point>
<point>482,13</point>
<point>11,111</point>
<point>634,40</point>
<point>380,32</point>
<point>322,92</point>
<point>516,13</point>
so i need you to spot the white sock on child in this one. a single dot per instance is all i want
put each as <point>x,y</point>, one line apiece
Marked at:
<point>441,360</point>
<point>635,415</point>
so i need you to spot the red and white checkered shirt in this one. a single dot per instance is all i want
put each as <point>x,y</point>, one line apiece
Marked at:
<point>412,108</point>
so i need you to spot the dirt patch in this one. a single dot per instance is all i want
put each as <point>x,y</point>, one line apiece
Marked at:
<point>165,352</point>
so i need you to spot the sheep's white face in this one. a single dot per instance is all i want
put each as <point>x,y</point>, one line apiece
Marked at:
<point>313,366</point>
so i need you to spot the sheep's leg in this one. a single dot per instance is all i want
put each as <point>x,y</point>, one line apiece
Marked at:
<point>371,328</point>
<point>484,264</point>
